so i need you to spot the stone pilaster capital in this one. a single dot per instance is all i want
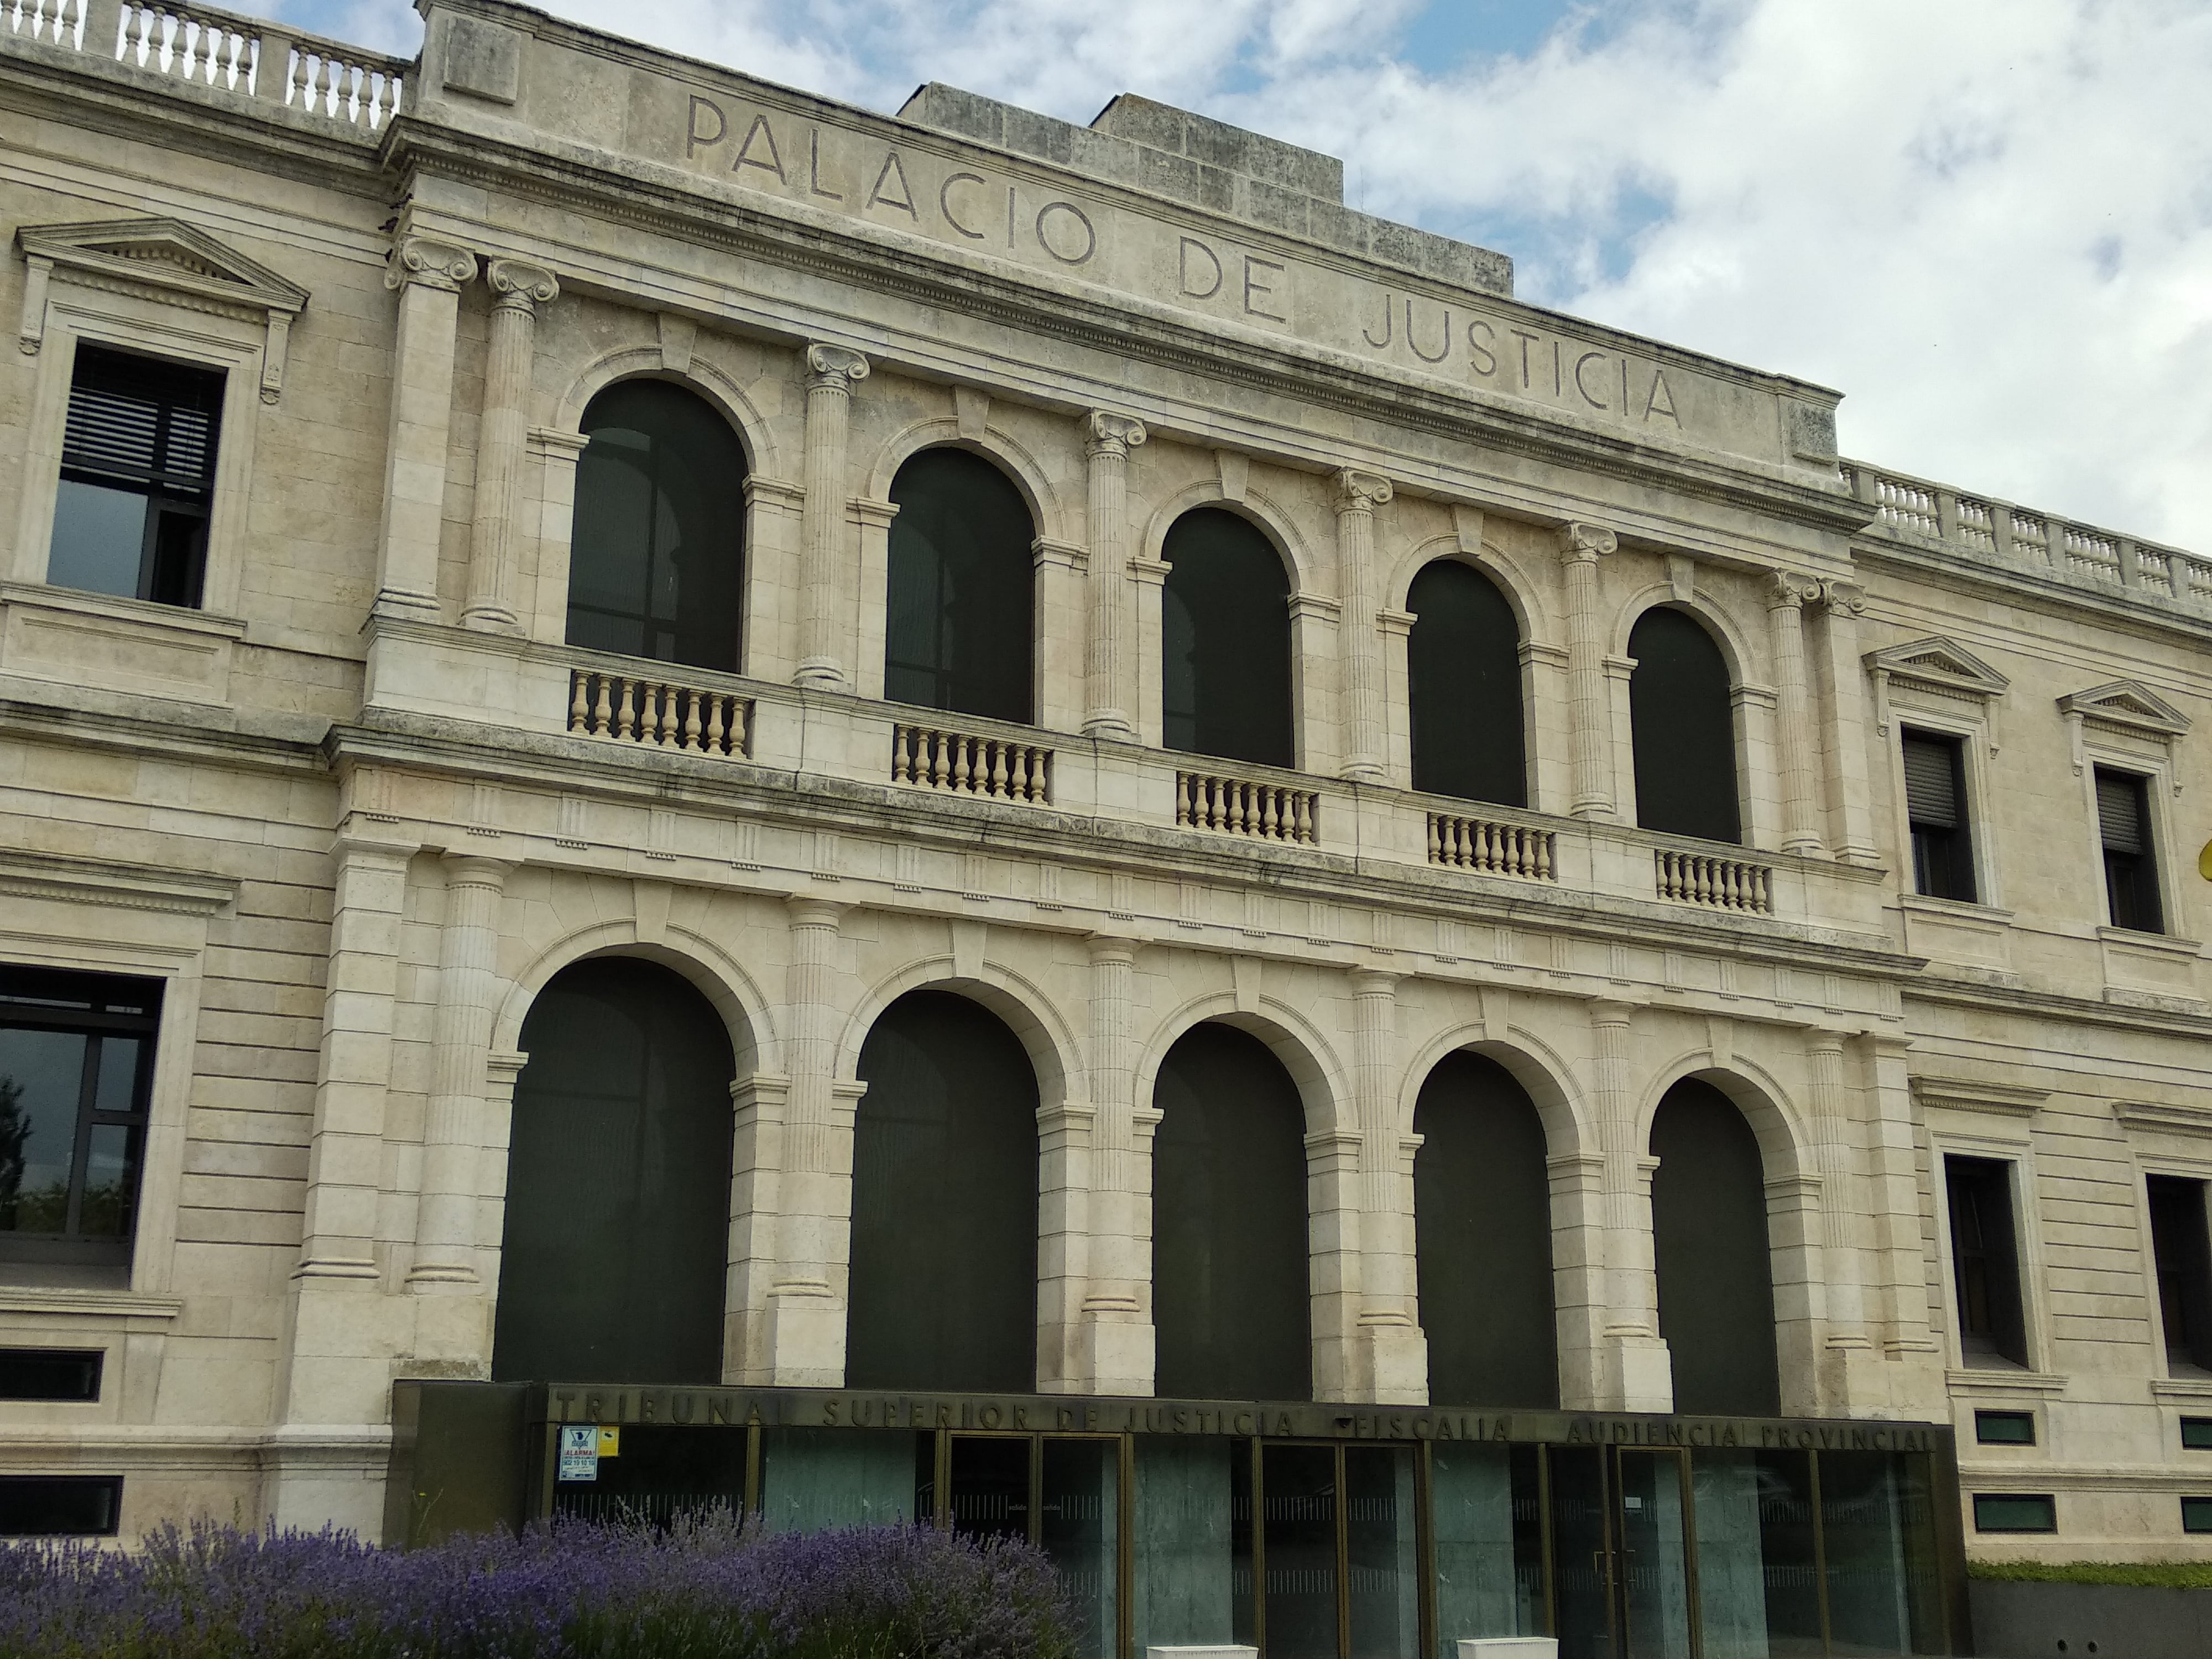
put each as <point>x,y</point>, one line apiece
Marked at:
<point>1845,598</point>
<point>833,368</point>
<point>1586,543</point>
<point>1361,492</point>
<point>1604,1011</point>
<point>1107,434</point>
<point>474,869</point>
<point>810,912</point>
<point>1373,983</point>
<point>1110,948</point>
<point>1786,590</point>
<point>434,265</point>
<point>520,285</point>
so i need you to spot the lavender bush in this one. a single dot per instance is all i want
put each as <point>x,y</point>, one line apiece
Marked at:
<point>705,1588</point>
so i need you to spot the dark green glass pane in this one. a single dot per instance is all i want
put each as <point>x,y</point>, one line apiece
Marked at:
<point>618,1183</point>
<point>1709,1238</point>
<point>1463,668</point>
<point>1682,714</point>
<point>959,609</point>
<point>1225,641</point>
<point>944,1202</point>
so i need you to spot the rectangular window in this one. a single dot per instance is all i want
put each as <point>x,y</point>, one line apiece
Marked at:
<point>2196,1514</point>
<point>2196,1434</point>
<point>2004,1428</point>
<point>64,1374</point>
<point>76,1062</point>
<point>2011,1511</point>
<point>51,1505</point>
<point>2131,897</point>
<point>2181,1248</point>
<point>1935,809</point>
<point>1986,1262</point>
<point>137,477</point>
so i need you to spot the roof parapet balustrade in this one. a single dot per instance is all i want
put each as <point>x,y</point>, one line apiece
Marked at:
<point>659,713</point>
<point>966,763</point>
<point>1247,806</point>
<point>1492,847</point>
<point>1990,530</point>
<point>256,61</point>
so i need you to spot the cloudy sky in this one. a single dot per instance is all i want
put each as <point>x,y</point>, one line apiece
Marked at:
<point>1987,222</point>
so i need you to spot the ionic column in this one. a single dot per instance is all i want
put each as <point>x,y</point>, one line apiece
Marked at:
<point>1850,818</point>
<point>1108,441</point>
<point>1785,609</point>
<point>1395,1357</point>
<point>429,276</point>
<point>1635,1371</point>
<point>460,1045</point>
<point>1358,496</point>
<point>1589,724</point>
<point>520,290</point>
<point>807,1315</point>
<point>824,605</point>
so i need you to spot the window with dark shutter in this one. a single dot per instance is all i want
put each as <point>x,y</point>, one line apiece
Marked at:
<point>2131,893</point>
<point>137,477</point>
<point>1936,811</point>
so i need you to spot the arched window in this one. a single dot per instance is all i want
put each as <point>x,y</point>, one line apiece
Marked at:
<point>1463,670</point>
<point>1483,1228</point>
<point>945,1203</point>
<point>1229,1286</point>
<point>1709,1240</point>
<point>1225,641</point>
<point>657,560</point>
<point>957,633</point>
<point>1681,711</point>
<point>612,1262</point>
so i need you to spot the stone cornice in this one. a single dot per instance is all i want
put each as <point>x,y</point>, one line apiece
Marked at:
<point>1972,1095</point>
<point>123,886</point>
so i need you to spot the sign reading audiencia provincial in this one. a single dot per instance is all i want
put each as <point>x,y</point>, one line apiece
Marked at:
<point>1046,220</point>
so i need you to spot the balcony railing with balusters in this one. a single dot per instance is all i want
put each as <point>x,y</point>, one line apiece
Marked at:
<point>1718,883</point>
<point>997,768</point>
<point>1247,806</point>
<point>1491,848</point>
<point>255,60</point>
<point>2083,554</point>
<point>659,713</point>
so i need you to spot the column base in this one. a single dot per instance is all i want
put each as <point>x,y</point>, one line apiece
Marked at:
<point>1114,1356</point>
<point>1637,1373</point>
<point>820,674</point>
<point>806,1335</point>
<point>491,619</point>
<point>1392,1356</point>
<point>1109,724</point>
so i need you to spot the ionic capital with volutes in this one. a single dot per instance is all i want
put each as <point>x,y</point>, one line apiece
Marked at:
<point>1580,543</point>
<point>1361,492</point>
<point>1845,598</point>
<point>520,286</point>
<point>1788,590</point>
<point>433,263</point>
<point>1107,434</point>
<point>833,368</point>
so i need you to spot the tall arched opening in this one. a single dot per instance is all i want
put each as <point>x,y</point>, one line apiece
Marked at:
<point>1230,1289</point>
<point>1682,707</point>
<point>614,1254</point>
<point>1483,1225</point>
<point>657,554</point>
<point>1225,641</point>
<point>1710,1243</point>
<point>959,612</point>
<point>945,1203</point>
<point>1463,674</point>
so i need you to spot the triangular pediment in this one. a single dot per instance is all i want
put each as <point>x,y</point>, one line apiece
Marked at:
<point>2129,704</point>
<point>163,253</point>
<point>1941,663</point>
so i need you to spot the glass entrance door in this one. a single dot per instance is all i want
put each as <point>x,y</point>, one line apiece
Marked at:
<point>1624,1580</point>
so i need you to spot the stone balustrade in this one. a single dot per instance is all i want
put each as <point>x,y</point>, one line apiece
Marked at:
<point>659,713</point>
<point>1492,848</point>
<point>968,763</point>
<point>1718,883</point>
<point>256,61</point>
<point>1915,509</point>
<point>1247,806</point>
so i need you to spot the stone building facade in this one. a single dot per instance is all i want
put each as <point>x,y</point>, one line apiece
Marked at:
<point>313,815</point>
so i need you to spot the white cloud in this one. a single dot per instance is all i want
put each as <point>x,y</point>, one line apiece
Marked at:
<point>1989,223</point>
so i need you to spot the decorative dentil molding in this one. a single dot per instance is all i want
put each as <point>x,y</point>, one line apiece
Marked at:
<point>122,886</point>
<point>169,262</point>
<point>2162,1115</point>
<point>1974,1095</point>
